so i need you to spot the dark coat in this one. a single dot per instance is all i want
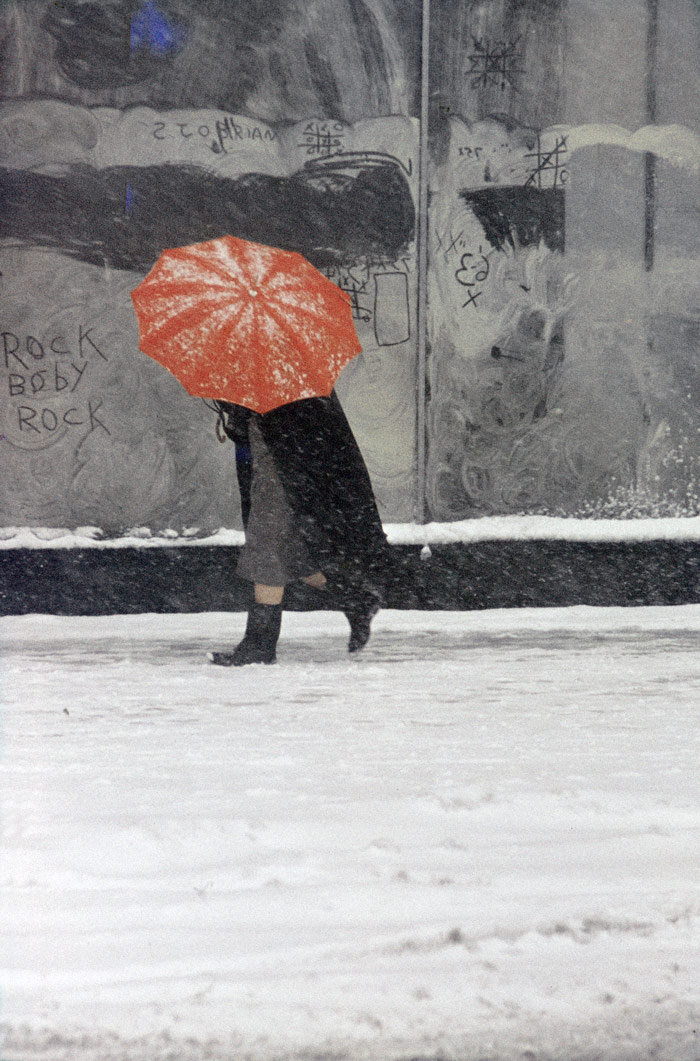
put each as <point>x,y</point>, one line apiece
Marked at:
<point>326,484</point>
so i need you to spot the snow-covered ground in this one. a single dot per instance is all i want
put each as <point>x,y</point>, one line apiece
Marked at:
<point>478,841</point>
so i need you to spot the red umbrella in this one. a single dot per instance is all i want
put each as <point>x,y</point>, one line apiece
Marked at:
<point>245,323</point>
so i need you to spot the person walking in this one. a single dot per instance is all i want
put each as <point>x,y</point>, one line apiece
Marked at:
<point>309,514</point>
<point>264,334</point>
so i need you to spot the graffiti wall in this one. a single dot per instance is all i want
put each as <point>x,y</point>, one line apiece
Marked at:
<point>129,127</point>
<point>562,227</point>
<point>564,259</point>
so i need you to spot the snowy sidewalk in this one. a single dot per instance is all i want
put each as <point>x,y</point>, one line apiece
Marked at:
<point>479,841</point>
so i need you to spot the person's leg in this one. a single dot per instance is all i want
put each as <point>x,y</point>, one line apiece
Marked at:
<point>318,580</point>
<point>263,560</point>
<point>268,594</point>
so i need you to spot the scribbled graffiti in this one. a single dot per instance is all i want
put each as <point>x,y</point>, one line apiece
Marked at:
<point>518,216</point>
<point>494,63</point>
<point>230,129</point>
<point>355,281</point>
<point>549,165</point>
<point>554,400</point>
<point>228,132</point>
<point>102,45</point>
<point>152,30</point>
<point>501,410</point>
<point>45,384</point>
<point>272,59</point>
<point>379,295</point>
<point>323,138</point>
<point>473,270</point>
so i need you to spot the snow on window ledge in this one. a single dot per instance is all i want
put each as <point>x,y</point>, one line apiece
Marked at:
<point>488,528</point>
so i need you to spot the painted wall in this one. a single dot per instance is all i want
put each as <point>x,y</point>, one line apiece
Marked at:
<point>126,127</point>
<point>565,272</point>
<point>564,243</point>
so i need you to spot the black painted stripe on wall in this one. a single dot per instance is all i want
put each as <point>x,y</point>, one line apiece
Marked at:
<point>365,209</point>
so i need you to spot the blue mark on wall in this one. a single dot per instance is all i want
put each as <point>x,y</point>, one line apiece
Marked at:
<point>153,31</point>
<point>131,198</point>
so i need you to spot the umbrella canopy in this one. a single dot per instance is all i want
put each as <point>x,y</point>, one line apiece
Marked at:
<point>245,323</point>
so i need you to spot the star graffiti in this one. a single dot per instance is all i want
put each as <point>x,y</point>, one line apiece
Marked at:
<point>494,63</point>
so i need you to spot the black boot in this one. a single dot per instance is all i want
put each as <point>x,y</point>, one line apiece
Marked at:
<point>359,606</point>
<point>260,640</point>
<point>360,609</point>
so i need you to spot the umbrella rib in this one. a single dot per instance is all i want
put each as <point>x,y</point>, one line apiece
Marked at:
<point>329,295</point>
<point>275,269</point>
<point>270,262</point>
<point>176,286</point>
<point>284,327</point>
<point>311,310</point>
<point>327,288</point>
<point>223,335</point>
<point>170,315</point>
<point>203,261</point>
<point>193,373</point>
<point>174,324</point>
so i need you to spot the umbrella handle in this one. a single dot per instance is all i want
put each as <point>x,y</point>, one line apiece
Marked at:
<point>220,433</point>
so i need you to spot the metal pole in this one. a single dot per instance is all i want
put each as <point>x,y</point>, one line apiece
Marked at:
<point>422,277</point>
<point>651,117</point>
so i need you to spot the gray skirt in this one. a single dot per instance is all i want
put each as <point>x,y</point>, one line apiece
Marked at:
<point>273,554</point>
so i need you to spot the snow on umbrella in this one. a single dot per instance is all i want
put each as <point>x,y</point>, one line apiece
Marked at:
<point>245,323</point>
